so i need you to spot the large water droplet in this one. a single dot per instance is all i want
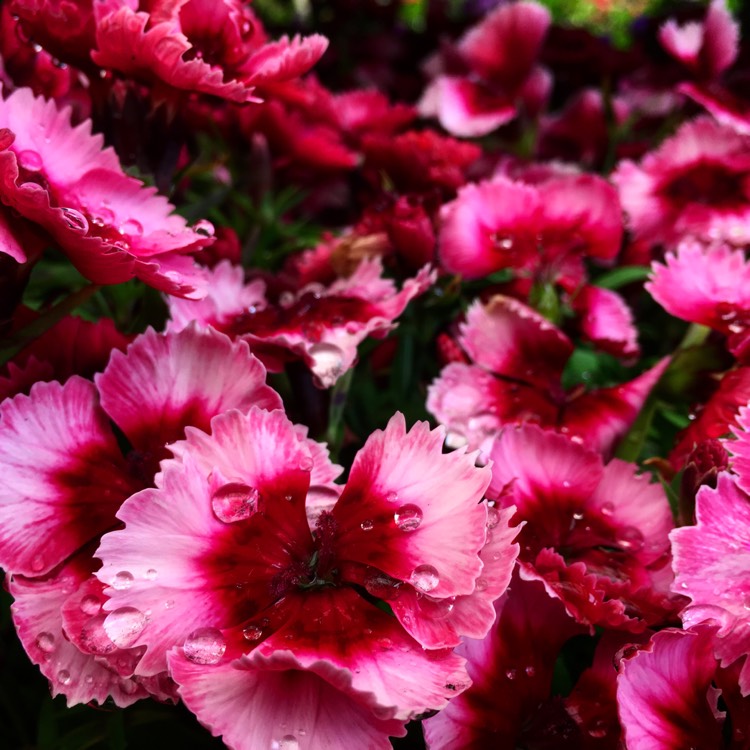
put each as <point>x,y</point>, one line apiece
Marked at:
<point>64,677</point>
<point>382,586</point>
<point>204,228</point>
<point>205,646</point>
<point>46,642</point>
<point>76,220</point>
<point>122,580</point>
<point>630,539</point>
<point>408,517</point>
<point>150,574</point>
<point>131,227</point>
<point>287,742</point>
<point>234,502</point>
<point>424,578</point>
<point>328,363</point>
<point>30,160</point>
<point>102,217</point>
<point>493,517</point>
<point>94,638</point>
<point>90,605</point>
<point>435,609</point>
<point>252,633</point>
<point>124,625</point>
<point>38,563</point>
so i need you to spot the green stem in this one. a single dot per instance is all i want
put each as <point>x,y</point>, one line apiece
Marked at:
<point>695,335</point>
<point>13,344</point>
<point>339,395</point>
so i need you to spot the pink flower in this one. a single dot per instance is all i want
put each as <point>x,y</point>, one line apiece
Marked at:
<point>514,376</point>
<point>502,223</point>
<point>199,46</point>
<point>694,185</point>
<point>65,477</point>
<point>595,535</point>
<point>110,226</point>
<point>283,589</point>
<point>321,325</point>
<point>496,70</point>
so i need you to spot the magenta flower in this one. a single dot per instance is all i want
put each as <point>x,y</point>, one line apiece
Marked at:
<point>257,603</point>
<point>514,376</point>
<point>694,185</point>
<point>321,325</point>
<point>65,478</point>
<point>549,226</point>
<point>491,72</point>
<point>110,226</point>
<point>595,534</point>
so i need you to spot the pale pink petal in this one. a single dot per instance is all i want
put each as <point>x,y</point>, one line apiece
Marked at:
<point>63,478</point>
<point>665,696</point>
<point>710,563</point>
<point>739,447</point>
<point>607,321</point>
<point>413,512</point>
<point>706,285</point>
<point>165,382</point>
<point>284,59</point>
<point>276,702</point>
<point>38,620</point>
<point>513,340</point>
<point>721,38</point>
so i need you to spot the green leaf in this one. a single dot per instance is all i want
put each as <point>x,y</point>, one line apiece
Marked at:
<point>622,276</point>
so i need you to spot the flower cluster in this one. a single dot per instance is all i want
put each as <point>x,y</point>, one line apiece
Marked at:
<point>401,391</point>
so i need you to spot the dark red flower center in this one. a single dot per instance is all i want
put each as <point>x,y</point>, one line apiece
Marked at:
<point>708,184</point>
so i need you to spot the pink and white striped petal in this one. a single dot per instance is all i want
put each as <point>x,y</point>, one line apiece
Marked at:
<point>64,476</point>
<point>413,512</point>
<point>38,619</point>
<point>276,702</point>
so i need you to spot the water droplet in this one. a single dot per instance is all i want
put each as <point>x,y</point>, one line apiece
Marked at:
<point>367,525</point>
<point>607,509</point>
<point>63,677</point>
<point>30,160</point>
<point>75,220</point>
<point>150,574</point>
<point>408,517</point>
<point>46,642</point>
<point>530,671</point>
<point>683,585</point>
<point>204,228</point>
<point>391,497</point>
<point>424,578</point>
<point>90,605</point>
<point>234,502</point>
<point>382,586</point>
<point>129,687</point>
<point>493,517</point>
<point>252,633</point>
<point>124,625</point>
<point>204,646</point>
<point>435,609</point>
<point>37,563</point>
<point>481,584</point>
<point>327,363</point>
<point>565,483</point>
<point>131,227</point>
<point>169,604</point>
<point>287,742</point>
<point>122,580</point>
<point>455,439</point>
<point>94,638</point>
<point>630,539</point>
<point>306,463</point>
<point>598,729</point>
<point>511,674</point>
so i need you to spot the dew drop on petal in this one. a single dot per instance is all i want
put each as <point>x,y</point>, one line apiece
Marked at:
<point>94,638</point>
<point>75,220</point>
<point>63,677</point>
<point>252,633</point>
<point>150,574</point>
<point>204,228</point>
<point>493,517</point>
<point>408,517</point>
<point>37,563</point>
<point>530,671</point>
<point>481,584</point>
<point>169,603</point>
<point>367,525</point>
<point>124,625</point>
<point>607,509</point>
<point>435,609</point>
<point>287,742</point>
<point>424,578</point>
<point>455,439</point>
<point>46,642</point>
<point>511,674</point>
<point>90,605</point>
<point>30,160</point>
<point>122,580</point>
<point>234,502</point>
<point>306,463</point>
<point>382,586</point>
<point>392,497</point>
<point>204,646</point>
<point>327,362</point>
<point>131,227</point>
<point>630,539</point>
